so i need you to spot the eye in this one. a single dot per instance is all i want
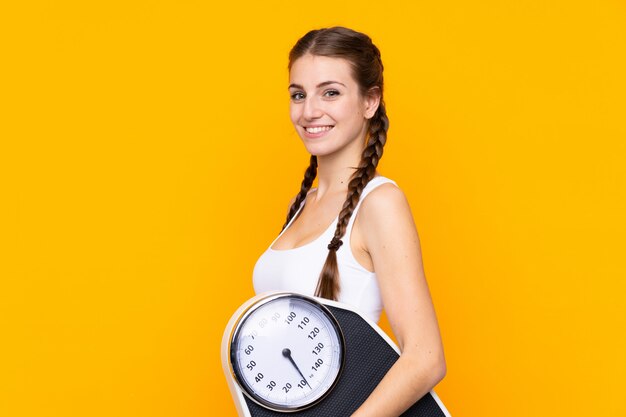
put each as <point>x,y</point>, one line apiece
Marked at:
<point>297,96</point>
<point>331,93</point>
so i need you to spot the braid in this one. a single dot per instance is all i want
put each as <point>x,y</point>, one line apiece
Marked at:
<point>328,284</point>
<point>309,176</point>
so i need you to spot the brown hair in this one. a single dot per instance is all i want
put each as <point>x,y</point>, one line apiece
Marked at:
<point>367,70</point>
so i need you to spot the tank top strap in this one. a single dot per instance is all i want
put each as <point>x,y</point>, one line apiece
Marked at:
<point>371,186</point>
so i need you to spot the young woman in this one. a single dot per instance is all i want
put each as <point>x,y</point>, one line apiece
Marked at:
<point>338,244</point>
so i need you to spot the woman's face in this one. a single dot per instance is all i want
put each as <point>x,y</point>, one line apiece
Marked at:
<point>326,107</point>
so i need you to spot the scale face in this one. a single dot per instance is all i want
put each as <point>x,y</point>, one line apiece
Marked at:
<point>286,352</point>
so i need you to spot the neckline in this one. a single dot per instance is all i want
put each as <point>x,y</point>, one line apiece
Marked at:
<point>334,222</point>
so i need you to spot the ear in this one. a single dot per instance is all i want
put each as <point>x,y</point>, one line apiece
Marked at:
<point>371,102</point>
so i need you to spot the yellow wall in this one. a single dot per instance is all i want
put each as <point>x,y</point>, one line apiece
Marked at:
<point>147,159</point>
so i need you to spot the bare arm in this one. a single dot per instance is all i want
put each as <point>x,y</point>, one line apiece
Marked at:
<point>392,241</point>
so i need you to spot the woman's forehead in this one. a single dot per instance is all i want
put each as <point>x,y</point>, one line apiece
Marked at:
<point>310,70</point>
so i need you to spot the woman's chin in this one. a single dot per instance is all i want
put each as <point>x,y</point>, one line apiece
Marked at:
<point>316,149</point>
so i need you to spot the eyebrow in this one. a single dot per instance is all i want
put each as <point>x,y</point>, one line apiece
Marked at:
<point>317,86</point>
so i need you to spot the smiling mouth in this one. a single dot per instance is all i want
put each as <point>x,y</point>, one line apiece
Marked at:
<point>317,129</point>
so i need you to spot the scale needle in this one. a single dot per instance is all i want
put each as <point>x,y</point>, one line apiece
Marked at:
<point>287,354</point>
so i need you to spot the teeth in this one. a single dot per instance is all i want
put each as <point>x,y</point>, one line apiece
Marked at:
<point>318,129</point>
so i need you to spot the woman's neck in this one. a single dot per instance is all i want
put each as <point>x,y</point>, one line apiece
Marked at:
<point>334,171</point>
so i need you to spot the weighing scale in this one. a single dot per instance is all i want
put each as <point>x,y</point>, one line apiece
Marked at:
<point>307,356</point>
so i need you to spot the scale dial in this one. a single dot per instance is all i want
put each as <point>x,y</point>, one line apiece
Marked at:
<point>286,352</point>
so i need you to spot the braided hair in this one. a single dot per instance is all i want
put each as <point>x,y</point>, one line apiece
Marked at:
<point>367,69</point>
<point>307,182</point>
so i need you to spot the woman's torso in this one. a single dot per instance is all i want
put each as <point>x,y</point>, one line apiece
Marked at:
<point>298,269</point>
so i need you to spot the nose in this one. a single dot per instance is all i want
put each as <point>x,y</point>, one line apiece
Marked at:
<point>311,109</point>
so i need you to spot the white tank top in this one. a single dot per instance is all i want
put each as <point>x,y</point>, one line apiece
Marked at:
<point>298,269</point>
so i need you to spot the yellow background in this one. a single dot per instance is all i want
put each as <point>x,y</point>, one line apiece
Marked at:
<point>147,159</point>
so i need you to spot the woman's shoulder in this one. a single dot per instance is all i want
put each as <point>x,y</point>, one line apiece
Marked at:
<point>377,182</point>
<point>381,187</point>
<point>384,200</point>
<point>388,217</point>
